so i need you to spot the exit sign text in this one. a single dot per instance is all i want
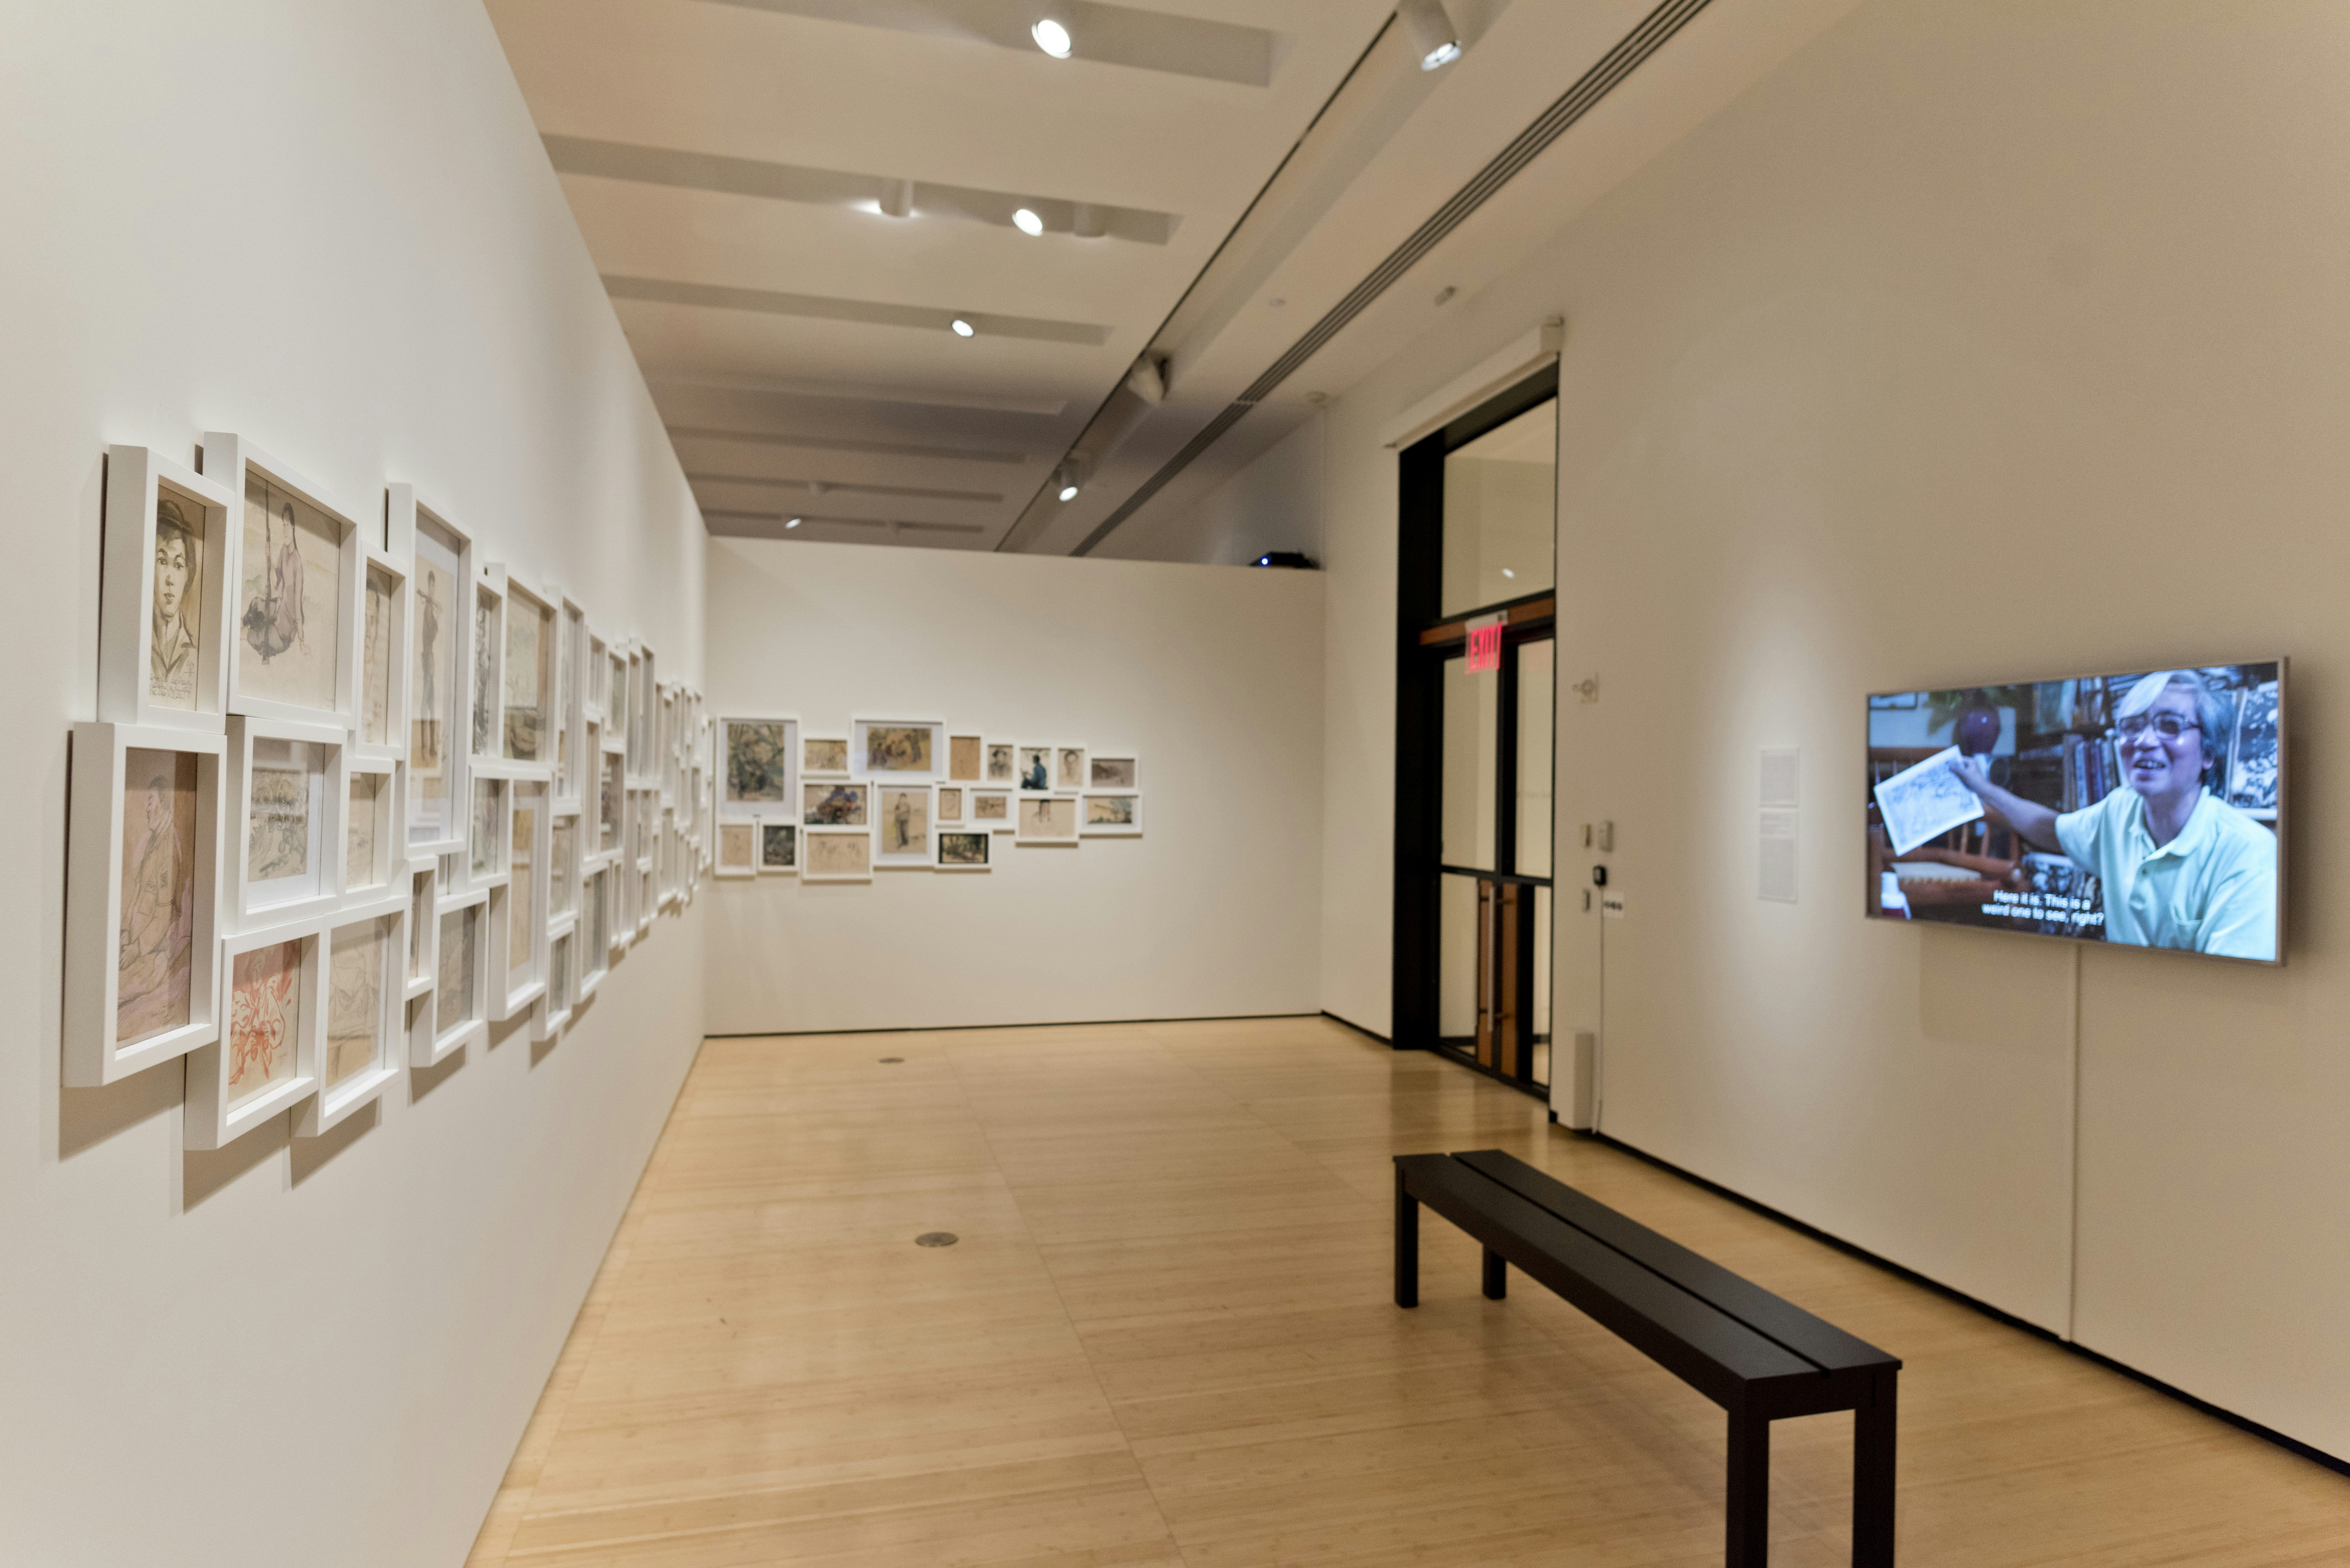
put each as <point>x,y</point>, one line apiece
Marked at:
<point>1485,646</point>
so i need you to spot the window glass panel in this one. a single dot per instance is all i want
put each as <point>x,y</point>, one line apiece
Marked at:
<point>1471,745</point>
<point>1536,664</point>
<point>1456,974</point>
<point>1501,502</point>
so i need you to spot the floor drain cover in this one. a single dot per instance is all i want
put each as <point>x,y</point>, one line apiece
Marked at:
<point>887,1060</point>
<point>936,1239</point>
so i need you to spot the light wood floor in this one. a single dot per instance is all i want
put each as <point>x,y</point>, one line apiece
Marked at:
<point>1167,1337</point>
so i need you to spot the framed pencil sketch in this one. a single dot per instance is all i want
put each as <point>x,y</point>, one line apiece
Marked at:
<point>293,639</point>
<point>611,797</point>
<point>779,848</point>
<point>570,699</point>
<point>1118,816</point>
<point>374,851</point>
<point>563,864</point>
<point>163,594</point>
<point>904,819</point>
<point>738,849</point>
<point>594,931</point>
<point>991,809</point>
<point>383,662</point>
<point>966,759</point>
<point>286,791</point>
<point>456,1015</point>
<point>1069,767</point>
<point>1034,768</point>
<point>639,714</point>
<point>518,909</point>
<point>965,849</point>
<point>266,1059</point>
<point>1001,765</point>
<point>440,640</point>
<point>142,895</point>
<point>823,757</point>
<point>363,1049</point>
<point>599,672</point>
<point>485,691</point>
<point>552,1014</point>
<point>837,854</point>
<point>424,885</point>
<point>487,848</point>
<point>1047,819</point>
<point>1112,770</point>
<point>835,805</point>
<point>528,716</point>
<point>758,771</point>
<point>951,803</point>
<point>908,750</point>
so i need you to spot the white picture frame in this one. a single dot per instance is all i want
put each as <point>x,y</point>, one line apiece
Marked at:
<point>563,861</point>
<point>456,1013</point>
<point>518,921</point>
<point>594,927</point>
<point>955,857</point>
<point>738,849</point>
<point>953,805</point>
<point>1000,818</point>
<point>141,485</point>
<point>486,673</point>
<point>100,932</point>
<point>817,749</point>
<point>958,744</point>
<point>260,896</point>
<point>1069,769</point>
<point>1000,763</point>
<point>386,619</point>
<point>1096,821</point>
<point>1033,767</point>
<point>572,750</point>
<point>1113,771</point>
<point>487,857</point>
<point>440,638</point>
<point>835,803</point>
<point>216,1112</point>
<point>1042,819</point>
<point>747,784</point>
<point>815,864</point>
<point>535,727</point>
<point>238,463</point>
<point>861,754</point>
<point>905,825</point>
<point>345,1088</point>
<point>778,845</point>
<point>556,1006</point>
<point>424,900</point>
<point>385,834</point>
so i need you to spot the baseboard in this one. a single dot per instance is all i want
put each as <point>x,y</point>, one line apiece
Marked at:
<point>1047,1024</point>
<point>1366,1034</point>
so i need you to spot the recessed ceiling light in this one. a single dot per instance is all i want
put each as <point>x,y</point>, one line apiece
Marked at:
<point>1430,31</point>
<point>1027,223</point>
<point>792,523</point>
<point>1507,573</point>
<point>1052,37</point>
<point>962,328</point>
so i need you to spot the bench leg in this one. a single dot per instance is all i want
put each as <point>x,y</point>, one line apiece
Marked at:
<point>1872,1476</point>
<point>1407,1245</point>
<point>1497,1276</point>
<point>1750,1490</point>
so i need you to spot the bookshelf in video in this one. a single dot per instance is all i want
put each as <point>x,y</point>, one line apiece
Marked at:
<point>2142,808</point>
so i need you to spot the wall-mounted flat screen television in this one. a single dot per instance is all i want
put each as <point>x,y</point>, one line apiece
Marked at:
<point>2145,808</point>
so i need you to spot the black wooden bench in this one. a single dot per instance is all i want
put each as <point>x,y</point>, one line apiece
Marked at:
<point>1757,1356</point>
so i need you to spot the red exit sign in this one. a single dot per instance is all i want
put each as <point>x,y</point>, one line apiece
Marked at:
<point>1485,646</point>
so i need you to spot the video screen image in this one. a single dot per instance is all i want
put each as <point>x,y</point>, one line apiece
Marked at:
<point>2140,808</point>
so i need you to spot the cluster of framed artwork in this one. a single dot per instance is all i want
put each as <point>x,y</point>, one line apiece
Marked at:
<point>907,793</point>
<point>354,794</point>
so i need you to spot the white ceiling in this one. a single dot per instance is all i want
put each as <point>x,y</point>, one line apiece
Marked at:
<point>727,159</point>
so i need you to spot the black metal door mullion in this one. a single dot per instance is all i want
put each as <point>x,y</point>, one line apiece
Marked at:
<point>1505,766</point>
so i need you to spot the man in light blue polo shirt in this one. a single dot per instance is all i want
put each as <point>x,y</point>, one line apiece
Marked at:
<point>2180,866</point>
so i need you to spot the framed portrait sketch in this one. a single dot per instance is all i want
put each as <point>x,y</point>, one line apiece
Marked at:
<point>738,849</point>
<point>384,665</point>
<point>966,759</point>
<point>1069,767</point>
<point>1033,768</point>
<point>267,1057</point>
<point>758,771</point>
<point>485,690</point>
<point>293,636</point>
<point>908,750</point>
<point>142,894</point>
<point>903,824</point>
<point>991,809</point>
<point>1111,770</point>
<point>287,791</point>
<point>518,909</point>
<point>1111,816</point>
<point>966,850</point>
<point>163,596</point>
<point>457,1013</point>
<point>951,803</point>
<point>439,568</point>
<point>823,757</point>
<point>375,853</point>
<point>362,1051</point>
<point>527,714</point>
<point>1047,819</point>
<point>837,854</point>
<point>779,848</point>
<point>835,805</point>
<point>552,1014</point>
<point>1001,765</point>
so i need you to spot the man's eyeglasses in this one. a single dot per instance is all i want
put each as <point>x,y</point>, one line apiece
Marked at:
<point>2170,726</point>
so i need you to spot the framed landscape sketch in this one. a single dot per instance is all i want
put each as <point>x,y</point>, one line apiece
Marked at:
<point>823,757</point>
<point>992,809</point>
<point>1047,819</point>
<point>266,1058</point>
<point>164,593</point>
<point>902,825</point>
<point>288,790</point>
<point>779,848</point>
<point>142,896</point>
<point>907,749</point>
<point>758,767</point>
<point>294,608</point>
<point>362,1051</point>
<point>1113,771</point>
<point>965,851</point>
<point>837,854</point>
<point>1112,817</point>
<point>441,566</point>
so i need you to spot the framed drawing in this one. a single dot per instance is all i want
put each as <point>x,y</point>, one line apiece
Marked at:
<point>779,848</point>
<point>758,771</point>
<point>518,909</point>
<point>991,809</point>
<point>966,850</point>
<point>528,716</point>
<point>163,595</point>
<point>1115,816</point>
<point>966,759</point>
<point>611,798</point>
<point>374,851</point>
<point>835,805</point>
<point>424,889</point>
<point>552,1014</point>
<point>1069,767</point>
<point>1001,766</point>
<point>486,845</point>
<point>365,964</point>
<point>638,715</point>
<point>563,864</point>
<point>267,1057</point>
<point>293,639</point>
<point>142,894</point>
<point>616,687</point>
<point>485,683</point>
<point>904,816</point>
<point>599,672</point>
<point>951,803</point>
<point>738,849</point>
<point>906,750</point>
<point>570,699</point>
<point>287,790</point>
<point>1032,770</point>
<point>837,854</point>
<point>1047,819</point>
<point>383,662</point>
<point>823,757</point>
<point>1112,771</point>
<point>456,1015</point>
<point>594,931</point>
<point>440,565</point>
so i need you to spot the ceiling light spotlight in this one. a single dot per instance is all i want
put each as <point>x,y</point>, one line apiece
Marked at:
<point>1027,223</point>
<point>1066,481</point>
<point>1069,492</point>
<point>898,200</point>
<point>792,523</point>
<point>1052,37</point>
<point>962,328</point>
<point>1430,31</point>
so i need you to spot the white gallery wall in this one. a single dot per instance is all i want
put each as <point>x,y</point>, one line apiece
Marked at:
<point>1983,341</point>
<point>1212,675</point>
<point>333,230</point>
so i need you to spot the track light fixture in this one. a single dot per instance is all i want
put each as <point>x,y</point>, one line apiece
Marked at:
<point>1053,37</point>
<point>794,522</point>
<point>898,200</point>
<point>962,328</point>
<point>1067,481</point>
<point>1027,223</point>
<point>1430,31</point>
